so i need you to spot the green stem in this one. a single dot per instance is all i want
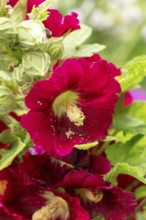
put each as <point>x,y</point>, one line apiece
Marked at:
<point>8,120</point>
<point>2,8</point>
<point>132,185</point>
<point>102,149</point>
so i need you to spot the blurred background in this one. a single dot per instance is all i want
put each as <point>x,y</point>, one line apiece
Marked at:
<point>118,24</point>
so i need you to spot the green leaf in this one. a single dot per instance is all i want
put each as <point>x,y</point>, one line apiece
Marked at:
<point>132,119</point>
<point>138,110</point>
<point>74,39</point>
<point>87,50</point>
<point>17,139</point>
<point>40,13</point>
<point>129,124</point>
<point>86,146</point>
<point>128,158</point>
<point>133,73</point>
<point>7,156</point>
<point>140,192</point>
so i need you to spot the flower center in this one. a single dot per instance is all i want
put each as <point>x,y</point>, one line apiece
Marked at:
<point>89,195</point>
<point>57,208</point>
<point>65,103</point>
<point>3,186</point>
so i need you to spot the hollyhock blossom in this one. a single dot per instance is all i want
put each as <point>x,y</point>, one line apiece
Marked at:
<point>45,170</point>
<point>98,198</point>
<point>32,202</point>
<point>74,106</point>
<point>59,25</point>
<point>56,23</point>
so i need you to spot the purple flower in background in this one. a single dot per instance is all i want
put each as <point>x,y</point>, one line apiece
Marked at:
<point>138,94</point>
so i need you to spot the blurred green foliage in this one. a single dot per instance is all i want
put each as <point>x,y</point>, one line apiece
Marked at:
<point>118,24</point>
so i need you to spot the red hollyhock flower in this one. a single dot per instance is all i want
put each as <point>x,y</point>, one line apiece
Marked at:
<point>29,201</point>
<point>98,198</point>
<point>74,106</point>
<point>59,25</point>
<point>45,170</point>
<point>55,22</point>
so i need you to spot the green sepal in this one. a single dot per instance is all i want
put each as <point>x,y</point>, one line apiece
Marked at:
<point>86,146</point>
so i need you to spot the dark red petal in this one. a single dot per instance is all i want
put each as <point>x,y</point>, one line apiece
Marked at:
<point>116,204</point>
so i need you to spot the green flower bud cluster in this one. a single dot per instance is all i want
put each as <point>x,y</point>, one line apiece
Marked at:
<point>27,54</point>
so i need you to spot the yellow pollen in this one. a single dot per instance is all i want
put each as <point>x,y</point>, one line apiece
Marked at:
<point>75,115</point>
<point>91,196</point>
<point>3,186</point>
<point>57,208</point>
<point>65,103</point>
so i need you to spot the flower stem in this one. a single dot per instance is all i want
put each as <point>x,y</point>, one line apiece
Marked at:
<point>132,185</point>
<point>102,149</point>
<point>2,8</point>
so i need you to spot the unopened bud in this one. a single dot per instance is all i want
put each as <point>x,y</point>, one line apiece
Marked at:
<point>55,50</point>
<point>6,28</point>
<point>36,63</point>
<point>31,33</point>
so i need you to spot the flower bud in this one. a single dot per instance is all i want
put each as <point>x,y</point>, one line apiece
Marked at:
<point>6,28</point>
<point>31,33</point>
<point>36,63</point>
<point>23,81</point>
<point>7,100</point>
<point>5,24</point>
<point>55,50</point>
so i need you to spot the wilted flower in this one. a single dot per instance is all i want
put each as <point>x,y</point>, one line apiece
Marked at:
<point>81,94</point>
